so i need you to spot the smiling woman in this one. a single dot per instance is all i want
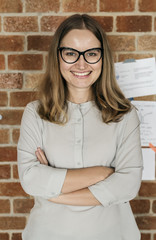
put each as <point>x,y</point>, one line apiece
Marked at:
<point>79,73</point>
<point>79,150</point>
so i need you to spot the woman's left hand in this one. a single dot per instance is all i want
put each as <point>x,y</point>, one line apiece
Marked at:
<point>41,156</point>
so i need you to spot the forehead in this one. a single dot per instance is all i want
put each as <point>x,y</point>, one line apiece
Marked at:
<point>80,39</point>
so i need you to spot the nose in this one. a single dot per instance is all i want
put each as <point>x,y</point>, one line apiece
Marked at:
<point>81,63</point>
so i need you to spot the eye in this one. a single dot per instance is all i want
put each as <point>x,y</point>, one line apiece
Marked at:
<point>70,53</point>
<point>92,54</point>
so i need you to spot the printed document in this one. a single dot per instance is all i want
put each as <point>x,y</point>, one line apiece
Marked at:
<point>147,115</point>
<point>137,78</point>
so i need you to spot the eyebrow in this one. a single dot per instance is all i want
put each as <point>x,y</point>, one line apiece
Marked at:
<point>69,48</point>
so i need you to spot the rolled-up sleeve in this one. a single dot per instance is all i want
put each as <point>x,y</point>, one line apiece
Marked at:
<point>124,183</point>
<point>36,179</point>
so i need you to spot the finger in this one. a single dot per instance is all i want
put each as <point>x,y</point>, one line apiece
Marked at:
<point>39,158</point>
<point>43,156</point>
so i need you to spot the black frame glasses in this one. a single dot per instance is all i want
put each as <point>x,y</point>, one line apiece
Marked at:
<point>60,49</point>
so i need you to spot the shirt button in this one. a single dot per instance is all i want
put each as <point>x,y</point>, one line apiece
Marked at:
<point>79,120</point>
<point>78,141</point>
<point>79,163</point>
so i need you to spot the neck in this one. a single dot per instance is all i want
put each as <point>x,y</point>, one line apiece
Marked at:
<point>80,96</point>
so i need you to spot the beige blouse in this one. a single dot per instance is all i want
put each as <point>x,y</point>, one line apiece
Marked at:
<point>83,142</point>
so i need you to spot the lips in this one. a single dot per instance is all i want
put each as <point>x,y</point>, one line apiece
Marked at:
<point>81,74</point>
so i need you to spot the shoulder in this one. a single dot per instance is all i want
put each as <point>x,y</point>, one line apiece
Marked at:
<point>132,117</point>
<point>31,111</point>
<point>31,120</point>
<point>33,105</point>
<point>130,122</point>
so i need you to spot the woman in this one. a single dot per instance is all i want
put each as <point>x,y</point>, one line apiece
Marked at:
<point>79,150</point>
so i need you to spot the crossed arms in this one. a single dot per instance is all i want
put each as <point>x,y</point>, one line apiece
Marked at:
<point>75,188</point>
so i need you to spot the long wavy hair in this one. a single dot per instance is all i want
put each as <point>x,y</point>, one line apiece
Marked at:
<point>53,89</point>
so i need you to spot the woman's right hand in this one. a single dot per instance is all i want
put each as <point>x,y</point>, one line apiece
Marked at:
<point>41,156</point>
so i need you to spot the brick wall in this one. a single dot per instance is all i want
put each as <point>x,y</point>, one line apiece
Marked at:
<point>26,29</point>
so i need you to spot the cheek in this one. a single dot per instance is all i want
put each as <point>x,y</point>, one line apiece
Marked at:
<point>64,68</point>
<point>98,68</point>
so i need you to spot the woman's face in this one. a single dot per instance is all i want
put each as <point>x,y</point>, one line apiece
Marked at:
<point>80,75</point>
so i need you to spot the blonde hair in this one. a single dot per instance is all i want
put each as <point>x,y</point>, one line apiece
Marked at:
<point>53,90</point>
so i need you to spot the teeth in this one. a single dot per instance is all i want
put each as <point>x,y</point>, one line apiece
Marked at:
<point>81,74</point>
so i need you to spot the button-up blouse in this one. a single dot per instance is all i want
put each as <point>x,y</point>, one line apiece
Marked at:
<point>84,141</point>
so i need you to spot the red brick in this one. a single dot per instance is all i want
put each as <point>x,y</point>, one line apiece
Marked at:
<point>42,6</point>
<point>15,172</point>
<point>117,5</point>
<point>23,205</point>
<point>11,43</point>
<point>3,99</point>
<point>122,43</point>
<point>12,223</point>
<point>15,135</point>
<point>25,62</point>
<point>134,23</point>
<point>21,99</point>
<point>11,6</point>
<point>140,206</point>
<point>123,57</point>
<point>11,80</point>
<point>146,222</point>
<point>4,236</point>
<point>80,6</point>
<point>21,24</point>
<point>147,5</point>
<point>145,236</point>
<point>2,62</point>
<point>16,236</point>
<point>147,43</point>
<point>11,117</point>
<point>154,206</point>
<point>4,206</point>
<point>11,189</point>
<point>4,136</point>
<point>40,43</point>
<point>148,189</point>
<point>5,171</point>
<point>8,154</point>
<point>32,80</point>
<point>50,23</point>
<point>105,22</point>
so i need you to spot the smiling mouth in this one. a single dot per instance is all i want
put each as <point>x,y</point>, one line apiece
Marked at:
<point>82,74</point>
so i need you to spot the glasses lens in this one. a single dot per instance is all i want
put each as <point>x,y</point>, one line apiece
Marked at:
<point>93,55</point>
<point>69,55</point>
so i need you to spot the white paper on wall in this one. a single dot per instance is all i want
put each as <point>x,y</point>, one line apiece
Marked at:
<point>149,164</point>
<point>137,78</point>
<point>147,115</point>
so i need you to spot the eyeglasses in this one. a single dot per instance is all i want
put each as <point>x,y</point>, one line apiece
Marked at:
<point>70,55</point>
